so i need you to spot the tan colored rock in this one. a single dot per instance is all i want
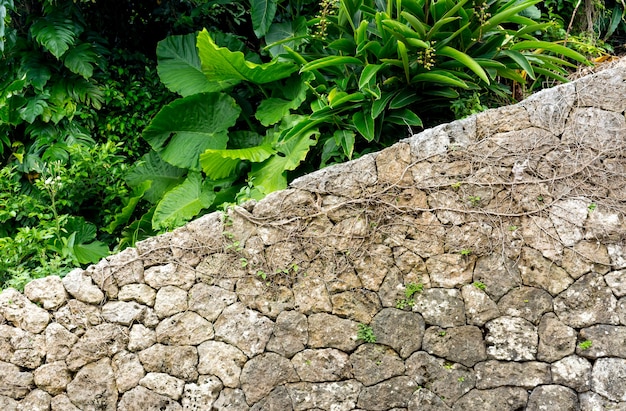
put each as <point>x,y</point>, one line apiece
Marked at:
<point>15,383</point>
<point>290,334</point>
<point>21,312</point>
<point>373,363</point>
<point>359,305</point>
<point>339,396</point>
<point>246,329</point>
<point>141,399</point>
<point>528,375</point>
<point>450,270</point>
<point>77,316</point>
<point>268,300</point>
<point>537,271</point>
<point>127,267</point>
<point>101,341</point>
<point>180,362</point>
<point>209,301</point>
<point>264,372</point>
<point>128,370</point>
<point>222,360</point>
<point>52,377</point>
<point>373,265</point>
<point>170,300</point>
<point>322,365</point>
<point>140,338</point>
<point>94,386</point>
<point>21,348</point>
<point>82,287</point>
<point>62,403</point>
<point>169,274</point>
<point>163,384</point>
<point>141,293</point>
<point>59,342</point>
<point>36,400</point>
<point>202,396</point>
<point>122,312</point>
<point>327,330</point>
<point>311,295</point>
<point>47,291</point>
<point>479,308</point>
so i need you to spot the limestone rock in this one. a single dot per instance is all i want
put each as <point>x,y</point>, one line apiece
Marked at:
<point>493,374</point>
<point>21,348</point>
<point>122,312</point>
<point>77,316</point>
<point>450,270</point>
<point>552,397</point>
<point>8,404</point>
<point>186,328</point>
<point>425,400</point>
<point>311,295</point>
<point>36,400</point>
<point>127,267</point>
<point>529,303</point>
<point>140,338</point>
<point>591,401</point>
<point>59,342</point>
<point>101,341</point>
<point>403,331</point>
<point>81,287</point>
<point>359,305</point>
<point>48,291</point>
<point>604,381</point>
<point>21,312</point>
<point>141,293</point>
<point>498,274</point>
<point>572,371</point>
<point>209,301</point>
<point>538,271</point>
<point>170,274</point>
<point>374,266</point>
<point>617,281</point>
<point>497,399</point>
<point>94,387</point>
<point>584,257</point>
<point>128,370</point>
<point>231,399</point>
<point>246,329</point>
<point>479,308</point>
<point>62,403</point>
<point>269,301</point>
<point>568,217</point>
<point>587,302</point>
<point>15,383</point>
<point>222,360</point>
<point>395,392</point>
<point>277,399</point>
<point>163,384</point>
<point>373,363</point>
<point>290,334</point>
<point>338,396</point>
<point>170,300</point>
<point>330,331</point>
<point>393,163</point>
<point>556,340</point>
<point>52,377</point>
<point>448,382</point>
<point>201,396</point>
<point>607,341</point>
<point>264,372</point>
<point>180,362</point>
<point>322,365</point>
<point>463,344</point>
<point>440,306</point>
<point>141,399</point>
<point>617,253</point>
<point>511,339</point>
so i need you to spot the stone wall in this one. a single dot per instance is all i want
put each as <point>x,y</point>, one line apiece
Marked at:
<point>479,265</point>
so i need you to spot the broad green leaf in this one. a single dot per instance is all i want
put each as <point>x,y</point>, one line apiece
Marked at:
<point>36,69</point>
<point>345,139</point>
<point>378,106</point>
<point>188,126</point>
<point>441,77</point>
<point>124,215</point>
<point>555,48</point>
<point>182,203</point>
<point>364,124</point>
<point>262,13</point>
<point>464,59</point>
<point>272,110</point>
<point>402,53</point>
<point>226,68</point>
<point>404,117</point>
<point>400,30</point>
<point>330,61</point>
<point>289,34</point>
<point>91,252</point>
<point>81,59</point>
<point>337,98</point>
<point>403,99</point>
<point>218,164</point>
<point>521,61</point>
<point>54,32</point>
<point>368,73</point>
<point>270,175</point>
<point>162,176</point>
<point>417,25</point>
<point>179,66</point>
<point>440,23</point>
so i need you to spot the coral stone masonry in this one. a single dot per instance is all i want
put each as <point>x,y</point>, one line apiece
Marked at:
<point>479,265</point>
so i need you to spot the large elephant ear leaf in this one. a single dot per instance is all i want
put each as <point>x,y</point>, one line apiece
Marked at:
<point>182,203</point>
<point>226,68</point>
<point>187,127</point>
<point>179,66</point>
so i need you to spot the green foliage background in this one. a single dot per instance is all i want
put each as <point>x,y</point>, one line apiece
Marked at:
<point>120,121</point>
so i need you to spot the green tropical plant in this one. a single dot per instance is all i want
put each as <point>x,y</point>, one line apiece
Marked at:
<point>352,79</point>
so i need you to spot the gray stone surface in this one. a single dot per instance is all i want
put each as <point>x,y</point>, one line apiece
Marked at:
<point>440,306</point>
<point>493,374</point>
<point>573,372</point>
<point>246,329</point>
<point>464,344</point>
<point>607,378</point>
<point>264,372</point>
<point>511,339</point>
<point>373,363</point>
<point>556,340</point>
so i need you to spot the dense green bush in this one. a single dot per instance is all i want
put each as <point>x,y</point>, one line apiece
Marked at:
<point>353,79</point>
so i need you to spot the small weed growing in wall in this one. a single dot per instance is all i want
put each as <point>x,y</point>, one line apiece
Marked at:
<point>474,200</point>
<point>591,207</point>
<point>479,285</point>
<point>409,292</point>
<point>466,252</point>
<point>366,334</point>
<point>585,345</point>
